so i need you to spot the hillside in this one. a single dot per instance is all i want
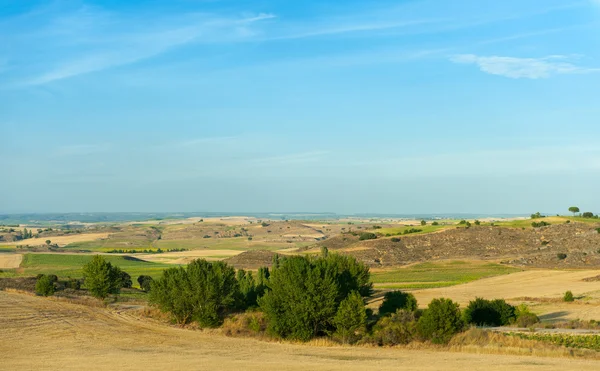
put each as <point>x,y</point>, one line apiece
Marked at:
<point>538,247</point>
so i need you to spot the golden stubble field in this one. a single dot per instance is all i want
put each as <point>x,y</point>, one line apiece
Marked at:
<point>44,334</point>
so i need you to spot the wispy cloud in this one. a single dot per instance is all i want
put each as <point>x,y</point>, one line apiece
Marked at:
<point>519,68</point>
<point>78,41</point>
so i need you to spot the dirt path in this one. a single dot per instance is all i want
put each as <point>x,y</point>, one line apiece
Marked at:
<point>10,261</point>
<point>43,334</point>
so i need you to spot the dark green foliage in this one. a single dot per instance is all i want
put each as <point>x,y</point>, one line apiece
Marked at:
<point>412,230</point>
<point>435,223</point>
<point>203,292</point>
<point>462,222</point>
<point>587,215</point>
<point>145,282</point>
<point>440,321</point>
<point>304,294</point>
<point>477,222</point>
<point>44,286</point>
<point>126,280</point>
<point>395,239</point>
<point>248,289</point>
<point>423,222</point>
<point>537,215</point>
<point>394,300</point>
<point>101,278</point>
<point>73,283</point>
<point>527,320</point>
<point>350,319</point>
<point>561,256</point>
<point>598,230</point>
<point>568,297</point>
<point>574,209</point>
<point>539,224</point>
<point>482,312</point>
<point>398,328</point>
<point>367,236</point>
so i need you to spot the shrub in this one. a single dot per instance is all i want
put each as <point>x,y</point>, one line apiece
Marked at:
<point>539,224</point>
<point>587,214</point>
<point>482,312</point>
<point>101,278</point>
<point>73,283</point>
<point>304,294</point>
<point>145,282</point>
<point>524,317</point>
<point>568,297</point>
<point>477,222</point>
<point>44,286</point>
<point>462,222</point>
<point>440,322</point>
<point>350,319</point>
<point>203,292</point>
<point>394,300</point>
<point>423,222</point>
<point>395,239</point>
<point>561,256</point>
<point>125,280</point>
<point>367,236</point>
<point>398,328</point>
<point>435,223</point>
<point>598,230</point>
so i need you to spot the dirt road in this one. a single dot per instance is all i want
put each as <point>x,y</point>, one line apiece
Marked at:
<point>41,334</point>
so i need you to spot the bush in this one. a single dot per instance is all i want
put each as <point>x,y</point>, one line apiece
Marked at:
<point>125,280</point>
<point>440,321</point>
<point>587,215</point>
<point>561,256</point>
<point>73,283</point>
<point>44,286</point>
<point>395,239</point>
<point>394,300</point>
<point>539,224</point>
<point>524,317</point>
<point>435,223</point>
<point>145,282</point>
<point>304,294</point>
<point>367,236</point>
<point>101,278</point>
<point>350,319</point>
<point>203,292</point>
<point>568,297</point>
<point>423,222</point>
<point>398,328</point>
<point>482,312</point>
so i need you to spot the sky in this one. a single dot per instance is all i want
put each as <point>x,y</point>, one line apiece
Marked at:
<point>415,106</point>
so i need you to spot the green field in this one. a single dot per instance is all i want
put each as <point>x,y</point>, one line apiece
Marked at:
<point>437,274</point>
<point>70,265</point>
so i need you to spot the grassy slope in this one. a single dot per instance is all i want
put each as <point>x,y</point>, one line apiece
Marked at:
<point>71,265</point>
<point>438,274</point>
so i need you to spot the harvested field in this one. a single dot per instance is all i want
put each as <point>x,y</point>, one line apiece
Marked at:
<point>10,261</point>
<point>74,337</point>
<point>533,283</point>
<point>184,257</point>
<point>60,240</point>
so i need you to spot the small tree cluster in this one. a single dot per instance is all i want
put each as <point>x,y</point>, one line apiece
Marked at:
<point>203,292</point>
<point>482,312</point>
<point>145,282</point>
<point>440,321</point>
<point>102,278</point>
<point>395,300</point>
<point>367,236</point>
<point>45,285</point>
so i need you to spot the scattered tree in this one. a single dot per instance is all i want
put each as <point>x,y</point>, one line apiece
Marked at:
<point>350,318</point>
<point>574,210</point>
<point>145,282</point>
<point>394,300</point>
<point>423,222</point>
<point>44,285</point>
<point>441,320</point>
<point>101,278</point>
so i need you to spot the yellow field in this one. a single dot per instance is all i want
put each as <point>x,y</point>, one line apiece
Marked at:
<point>9,261</point>
<point>184,257</point>
<point>60,240</point>
<point>43,334</point>
<point>539,283</point>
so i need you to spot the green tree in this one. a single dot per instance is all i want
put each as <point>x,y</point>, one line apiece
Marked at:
<point>574,210</point>
<point>440,321</point>
<point>48,242</point>
<point>145,282</point>
<point>44,285</point>
<point>203,292</point>
<point>101,278</point>
<point>125,279</point>
<point>367,236</point>
<point>423,222</point>
<point>482,312</point>
<point>350,318</point>
<point>394,300</point>
<point>248,289</point>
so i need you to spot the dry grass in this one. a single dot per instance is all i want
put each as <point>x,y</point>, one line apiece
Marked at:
<point>60,240</point>
<point>38,333</point>
<point>10,261</point>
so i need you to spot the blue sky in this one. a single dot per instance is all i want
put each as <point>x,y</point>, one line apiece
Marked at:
<point>343,106</point>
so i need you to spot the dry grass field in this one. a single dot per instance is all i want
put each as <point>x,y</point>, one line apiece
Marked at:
<point>45,334</point>
<point>10,261</point>
<point>60,240</point>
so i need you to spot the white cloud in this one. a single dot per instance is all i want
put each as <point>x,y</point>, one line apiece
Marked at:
<point>527,68</point>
